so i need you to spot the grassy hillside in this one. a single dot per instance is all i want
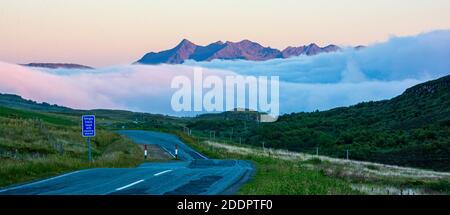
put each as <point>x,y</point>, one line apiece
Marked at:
<point>287,172</point>
<point>412,129</point>
<point>112,119</point>
<point>38,144</point>
<point>15,101</point>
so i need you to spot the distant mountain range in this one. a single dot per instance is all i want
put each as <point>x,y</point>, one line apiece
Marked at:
<point>58,65</point>
<point>244,50</point>
<point>186,50</point>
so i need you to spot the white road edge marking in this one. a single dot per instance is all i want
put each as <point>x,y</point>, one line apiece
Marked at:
<point>160,173</point>
<point>200,155</point>
<point>126,186</point>
<point>168,151</point>
<point>38,182</point>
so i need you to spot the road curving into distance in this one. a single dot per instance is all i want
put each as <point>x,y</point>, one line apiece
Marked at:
<point>193,174</point>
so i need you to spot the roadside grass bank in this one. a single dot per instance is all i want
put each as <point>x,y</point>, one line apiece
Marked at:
<point>276,176</point>
<point>285,172</point>
<point>37,145</point>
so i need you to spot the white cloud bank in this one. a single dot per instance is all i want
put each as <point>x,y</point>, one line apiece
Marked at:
<point>423,56</point>
<point>380,71</point>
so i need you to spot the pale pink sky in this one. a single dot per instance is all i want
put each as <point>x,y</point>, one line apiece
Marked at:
<point>108,32</point>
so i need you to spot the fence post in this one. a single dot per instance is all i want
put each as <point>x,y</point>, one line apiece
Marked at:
<point>231,135</point>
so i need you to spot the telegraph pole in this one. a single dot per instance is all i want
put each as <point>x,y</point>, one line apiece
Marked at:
<point>212,134</point>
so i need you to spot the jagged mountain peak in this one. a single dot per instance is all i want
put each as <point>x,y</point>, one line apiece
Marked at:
<point>241,50</point>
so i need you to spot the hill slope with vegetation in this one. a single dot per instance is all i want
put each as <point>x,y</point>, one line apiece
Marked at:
<point>412,129</point>
<point>39,144</point>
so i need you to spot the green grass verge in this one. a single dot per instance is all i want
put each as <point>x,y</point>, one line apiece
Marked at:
<point>275,176</point>
<point>35,146</point>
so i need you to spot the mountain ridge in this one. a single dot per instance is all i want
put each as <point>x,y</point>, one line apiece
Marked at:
<point>242,50</point>
<point>57,65</point>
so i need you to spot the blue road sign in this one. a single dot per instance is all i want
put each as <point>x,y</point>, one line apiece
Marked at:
<point>88,125</point>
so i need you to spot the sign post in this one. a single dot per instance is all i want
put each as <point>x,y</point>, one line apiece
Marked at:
<point>88,130</point>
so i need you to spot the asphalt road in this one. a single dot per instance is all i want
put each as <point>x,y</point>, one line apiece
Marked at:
<point>194,174</point>
<point>166,142</point>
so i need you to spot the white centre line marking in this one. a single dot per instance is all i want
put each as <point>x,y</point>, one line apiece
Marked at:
<point>160,173</point>
<point>126,186</point>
